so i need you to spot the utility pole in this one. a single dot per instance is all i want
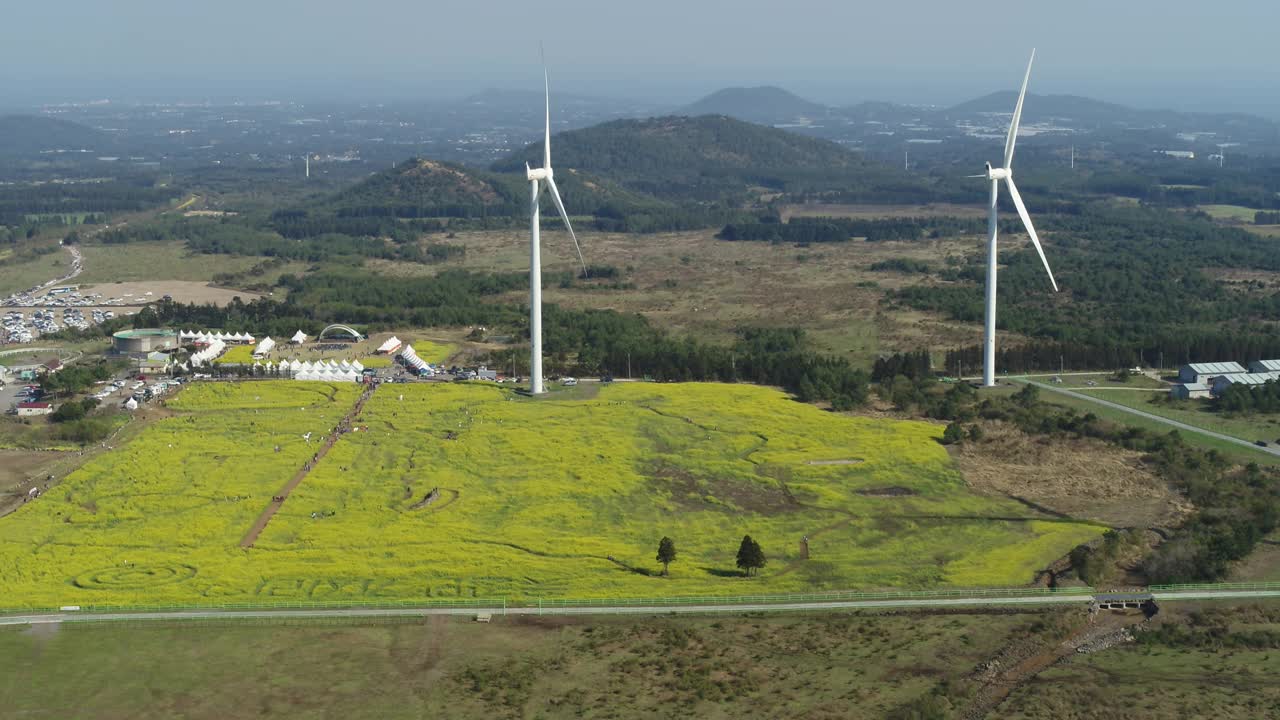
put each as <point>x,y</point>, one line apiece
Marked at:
<point>905,167</point>
<point>1073,157</point>
<point>308,157</point>
<point>628,364</point>
<point>1061,365</point>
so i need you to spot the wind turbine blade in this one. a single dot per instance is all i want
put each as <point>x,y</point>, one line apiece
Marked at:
<point>1017,115</point>
<point>555,197</point>
<point>546,138</point>
<point>1026,221</point>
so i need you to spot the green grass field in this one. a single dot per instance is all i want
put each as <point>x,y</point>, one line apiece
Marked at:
<point>1235,213</point>
<point>823,666</point>
<point>1197,413</point>
<point>236,355</point>
<point>556,497</point>
<point>155,261</point>
<point>1229,673</point>
<point>1236,452</point>
<point>20,275</point>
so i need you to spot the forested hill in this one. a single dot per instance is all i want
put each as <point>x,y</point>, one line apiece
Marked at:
<point>427,188</point>
<point>766,105</point>
<point>421,188</point>
<point>715,158</point>
<point>30,134</point>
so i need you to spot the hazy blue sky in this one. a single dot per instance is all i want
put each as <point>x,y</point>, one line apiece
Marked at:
<point>1177,53</point>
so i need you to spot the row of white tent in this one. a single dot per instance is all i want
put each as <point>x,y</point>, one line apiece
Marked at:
<point>411,359</point>
<point>210,351</point>
<point>392,344</point>
<point>264,346</point>
<point>201,337</point>
<point>295,367</point>
<point>319,371</point>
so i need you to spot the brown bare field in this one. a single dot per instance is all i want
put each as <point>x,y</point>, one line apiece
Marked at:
<point>1085,479</point>
<point>184,291</point>
<point>19,466</point>
<point>874,212</point>
<point>692,283</point>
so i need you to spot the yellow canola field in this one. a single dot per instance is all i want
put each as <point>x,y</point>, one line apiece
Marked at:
<point>533,498</point>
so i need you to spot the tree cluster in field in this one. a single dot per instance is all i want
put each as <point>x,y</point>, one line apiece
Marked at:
<point>1134,288</point>
<point>76,378</point>
<point>18,202</point>
<point>826,229</point>
<point>1249,399</point>
<point>1235,507</point>
<point>1266,218</point>
<point>73,410</point>
<point>750,557</point>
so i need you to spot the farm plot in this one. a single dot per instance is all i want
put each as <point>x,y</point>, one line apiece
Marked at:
<point>472,490</point>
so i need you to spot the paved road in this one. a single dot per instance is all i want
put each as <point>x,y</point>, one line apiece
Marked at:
<point>1133,411</point>
<point>835,605</point>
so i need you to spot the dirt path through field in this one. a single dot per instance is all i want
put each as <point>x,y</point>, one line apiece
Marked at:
<point>1026,663</point>
<point>277,500</point>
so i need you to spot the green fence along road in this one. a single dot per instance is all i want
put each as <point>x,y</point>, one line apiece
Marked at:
<point>813,602</point>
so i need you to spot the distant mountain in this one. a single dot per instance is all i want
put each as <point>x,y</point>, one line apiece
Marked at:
<point>705,158</point>
<point>767,105</point>
<point>32,134</point>
<point>1087,111</point>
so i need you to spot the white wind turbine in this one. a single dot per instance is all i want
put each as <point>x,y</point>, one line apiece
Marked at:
<point>995,175</point>
<point>537,178</point>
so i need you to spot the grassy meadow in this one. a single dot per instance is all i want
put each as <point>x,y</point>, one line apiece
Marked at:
<point>783,665</point>
<point>553,497</point>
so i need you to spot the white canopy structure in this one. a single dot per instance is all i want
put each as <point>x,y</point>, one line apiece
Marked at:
<point>411,360</point>
<point>298,338</point>
<point>211,351</point>
<point>264,347</point>
<point>391,345</point>
<point>130,404</point>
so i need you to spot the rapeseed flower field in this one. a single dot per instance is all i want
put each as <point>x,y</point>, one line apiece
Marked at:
<point>471,490</point>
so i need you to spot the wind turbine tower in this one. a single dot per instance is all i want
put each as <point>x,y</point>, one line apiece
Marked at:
<point>538,178</point>
<point>308,164</point>
<point>995,175</point>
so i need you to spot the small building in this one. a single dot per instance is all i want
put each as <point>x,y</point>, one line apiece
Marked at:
<point>33,409</point>
<point>1204,372</point>
<point>1222,382</point>
<point>154,362</point>
<point>1189,391</point>
<point>1263,366</point>
<point>51,366</point>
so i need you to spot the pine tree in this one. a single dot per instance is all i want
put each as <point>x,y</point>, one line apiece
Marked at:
<point>666,552</point>
<point>750,556</point>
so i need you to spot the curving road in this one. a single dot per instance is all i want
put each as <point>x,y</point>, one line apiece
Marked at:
<point>834,605</point>
<point>1149,416</point>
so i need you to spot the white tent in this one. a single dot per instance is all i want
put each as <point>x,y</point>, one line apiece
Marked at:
<point>298,338</point>
<point>357,366</point>
<point>130,404</point>
<point>391,345</point>
<point>264,347</point>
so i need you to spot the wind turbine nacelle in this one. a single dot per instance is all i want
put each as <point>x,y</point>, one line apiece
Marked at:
<point>994,173</point>
<point>537,173</point>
